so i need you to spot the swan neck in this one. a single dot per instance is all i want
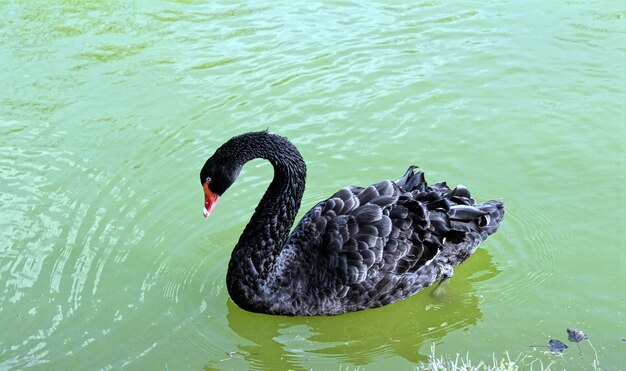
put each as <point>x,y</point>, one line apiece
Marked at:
<point>268,229</point>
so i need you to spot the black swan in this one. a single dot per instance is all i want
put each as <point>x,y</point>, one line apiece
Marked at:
<point>361,248</point>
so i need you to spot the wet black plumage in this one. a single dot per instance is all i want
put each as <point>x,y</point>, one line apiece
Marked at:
<point>361,248</point>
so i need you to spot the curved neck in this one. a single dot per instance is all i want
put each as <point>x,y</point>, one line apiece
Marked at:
<point>268,229</point>
<point>273,217</point>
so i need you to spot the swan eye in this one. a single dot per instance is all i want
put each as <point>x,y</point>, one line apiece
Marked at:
<point>208,180</point>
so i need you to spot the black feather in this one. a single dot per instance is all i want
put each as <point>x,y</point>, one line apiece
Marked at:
<point>464,212</point>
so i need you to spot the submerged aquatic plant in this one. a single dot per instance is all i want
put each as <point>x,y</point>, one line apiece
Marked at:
<point>556,346</point>
<point>460,363</point>
<point>576,336</point>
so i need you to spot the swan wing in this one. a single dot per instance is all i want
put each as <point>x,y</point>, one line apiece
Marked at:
<point>368,239</point>
<point>355,236</point>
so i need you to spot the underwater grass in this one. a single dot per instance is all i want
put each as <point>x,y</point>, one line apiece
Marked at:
<point>458,362</point>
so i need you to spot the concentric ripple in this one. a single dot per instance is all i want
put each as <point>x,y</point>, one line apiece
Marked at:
<point>109,109</point>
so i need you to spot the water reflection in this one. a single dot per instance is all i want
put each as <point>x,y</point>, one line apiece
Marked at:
<point>359,338</point>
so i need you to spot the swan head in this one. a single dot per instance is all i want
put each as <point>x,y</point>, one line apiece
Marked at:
<point>216,176</point>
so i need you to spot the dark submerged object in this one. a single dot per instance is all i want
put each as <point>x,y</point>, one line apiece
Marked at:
<point>556,346</point>
<point>361,248</point>
<point>576,336</point>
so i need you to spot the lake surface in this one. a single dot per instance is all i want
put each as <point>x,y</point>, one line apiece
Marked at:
<point>108,110</point>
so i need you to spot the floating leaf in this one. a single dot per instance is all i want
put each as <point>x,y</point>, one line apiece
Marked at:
<point>576,335</point>
<point>556,346</point>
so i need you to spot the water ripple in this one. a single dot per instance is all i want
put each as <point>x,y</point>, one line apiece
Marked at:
<point>108,110</point>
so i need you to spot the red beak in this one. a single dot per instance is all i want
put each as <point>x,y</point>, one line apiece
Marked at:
<point>210,200</point>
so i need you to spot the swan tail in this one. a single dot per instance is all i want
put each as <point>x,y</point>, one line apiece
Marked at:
<point>494,213</point>
<point>453,214</point>
<point>412,180</point>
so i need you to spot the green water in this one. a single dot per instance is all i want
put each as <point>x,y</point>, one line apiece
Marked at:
<point>109,109</point>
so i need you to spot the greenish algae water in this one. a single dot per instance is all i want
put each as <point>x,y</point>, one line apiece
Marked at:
<point>109,109</point>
